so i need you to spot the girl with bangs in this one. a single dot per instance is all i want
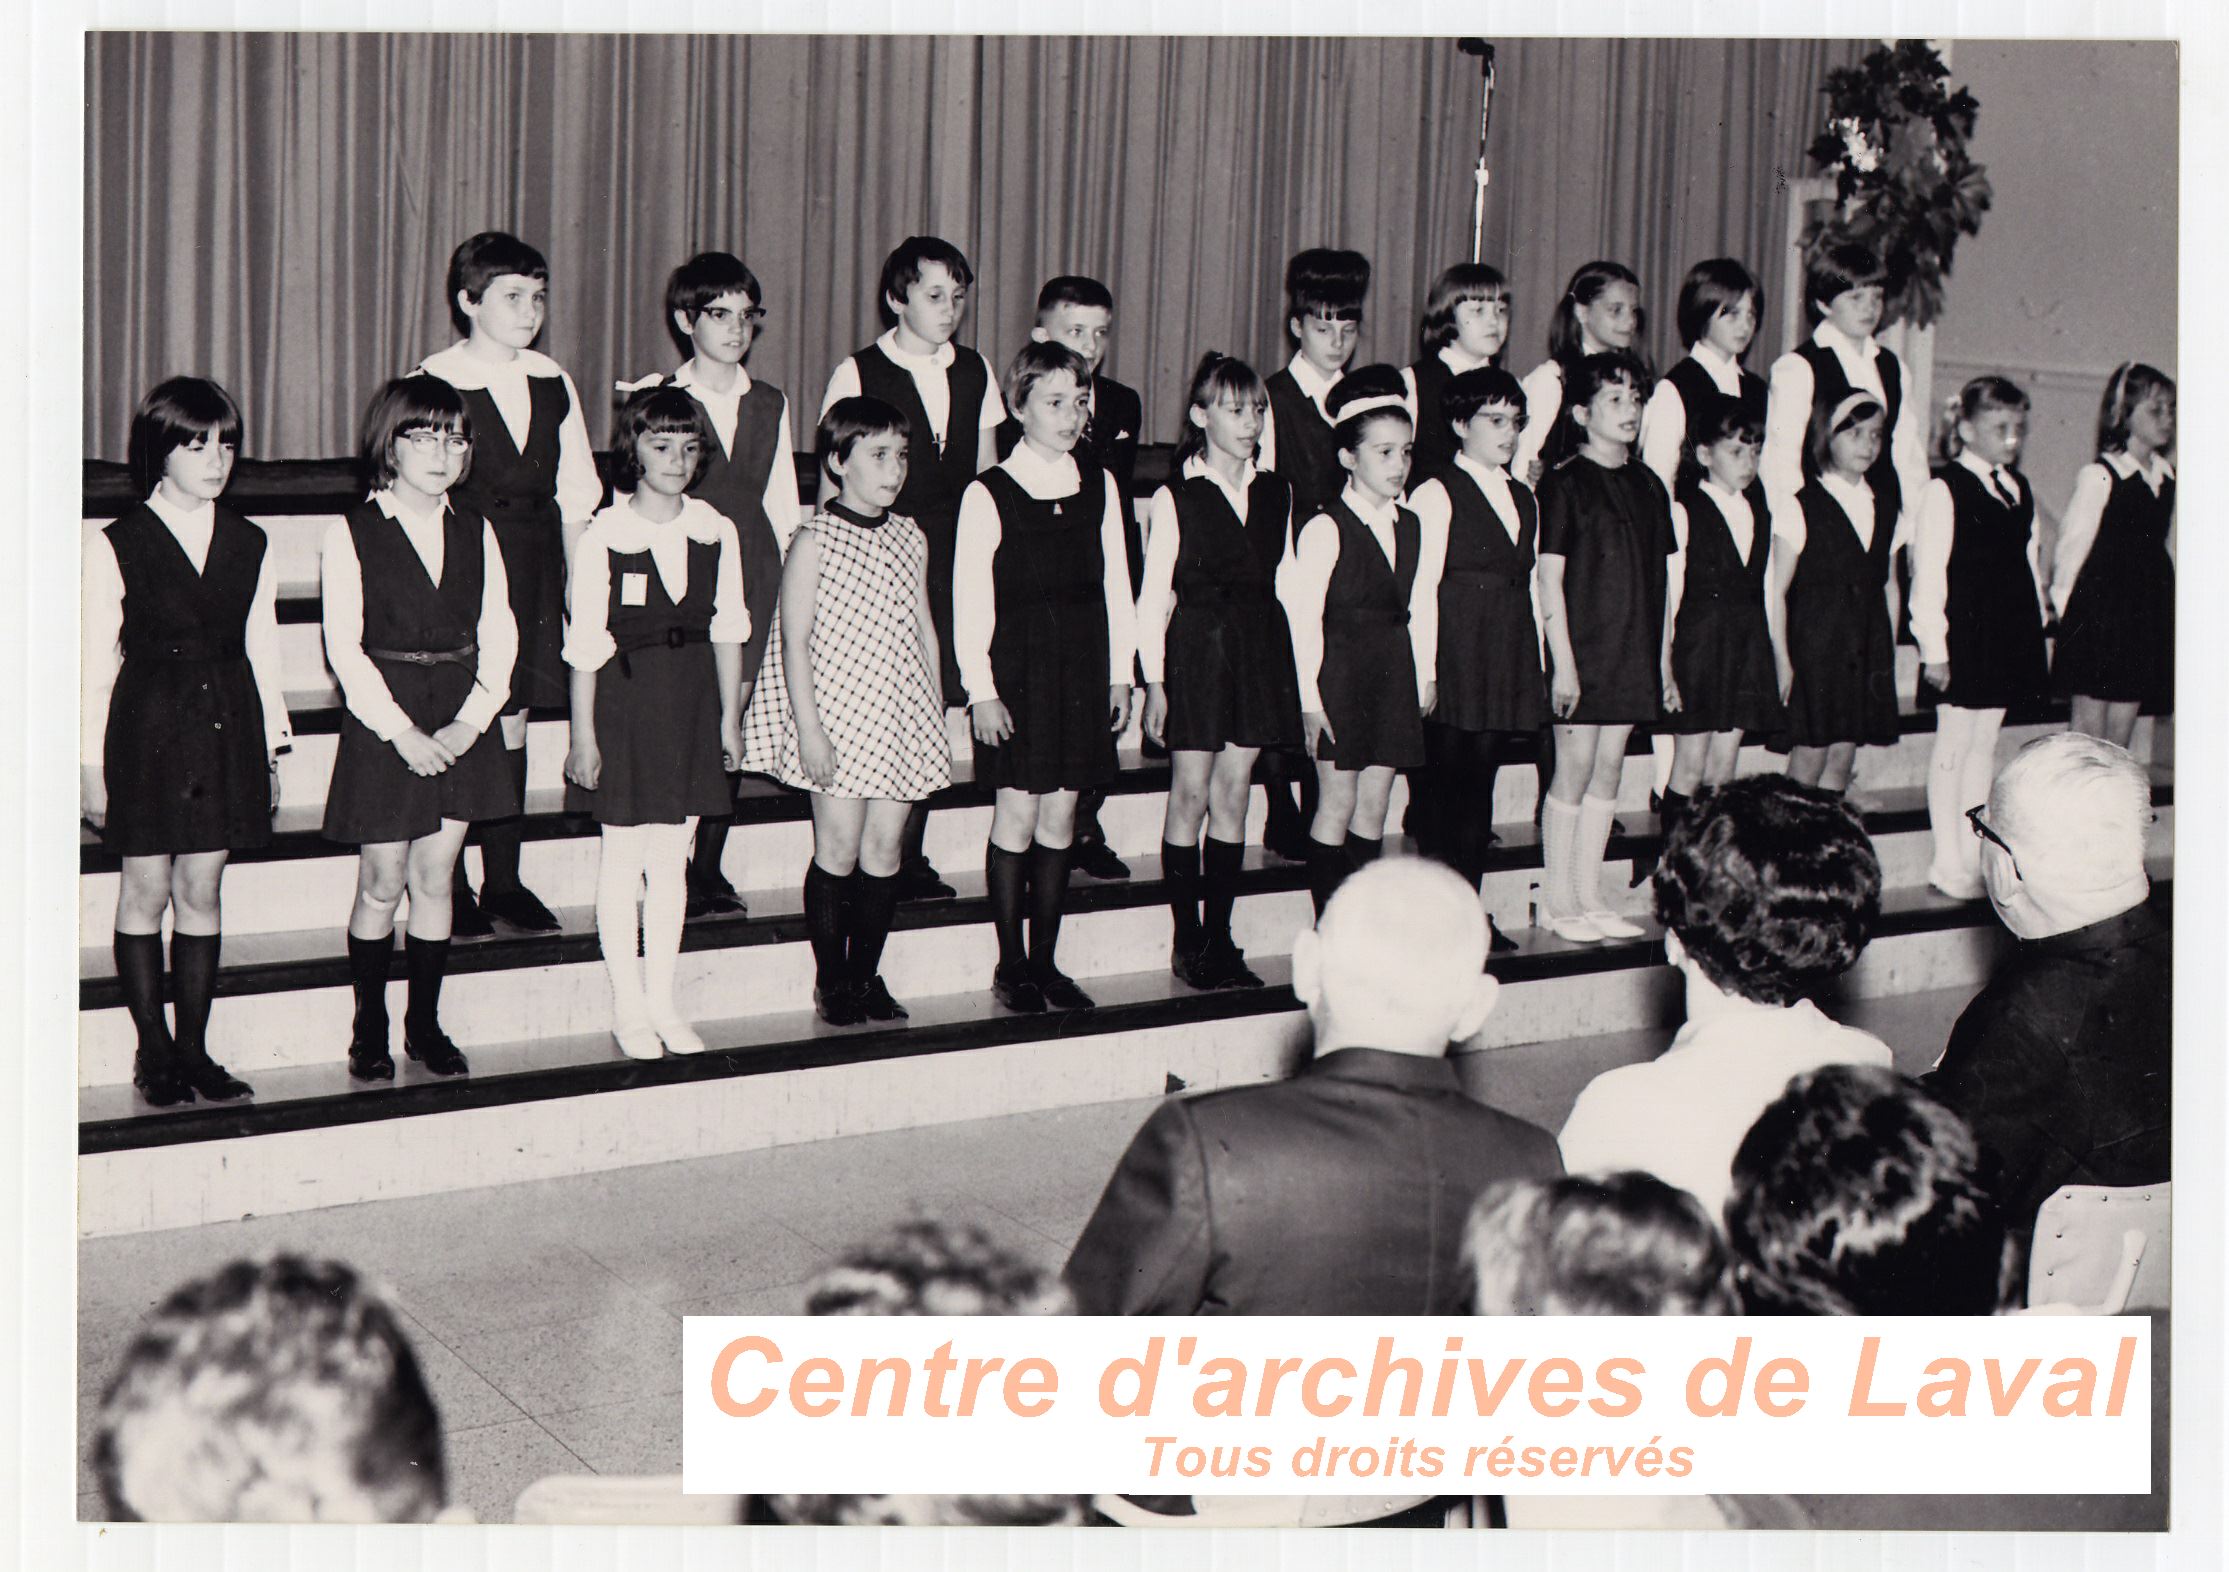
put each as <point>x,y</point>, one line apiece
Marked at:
<point>1466,323</point>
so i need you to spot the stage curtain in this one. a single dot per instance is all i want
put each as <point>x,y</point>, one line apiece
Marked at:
<point>277,210</point>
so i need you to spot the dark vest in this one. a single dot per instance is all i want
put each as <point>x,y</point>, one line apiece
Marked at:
<point>1477,544</point>
<point>403,608</point>
<point>1307,448</point>
<point>1715,571</point>
<point>1698,394</point>
<point>1049,575</point>
<point>1219,559</point>
<point>172,613</point>
<point>505,484</point>
<point>1989,543</point>
<point>1435,438</point>
<point>2134,514</point>
<point>1829,386</point>
<point>935,477</point>
<point>1365,590</point>
<point>660,620</point>
<point>735,482</point>
<point>1831,553</point>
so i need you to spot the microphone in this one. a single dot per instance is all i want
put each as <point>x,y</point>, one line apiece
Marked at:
<point>1479,47</point>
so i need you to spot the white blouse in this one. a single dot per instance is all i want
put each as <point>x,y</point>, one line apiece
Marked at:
<point>620,531</point>
<point>1305,578</point>
<point>579,487</point>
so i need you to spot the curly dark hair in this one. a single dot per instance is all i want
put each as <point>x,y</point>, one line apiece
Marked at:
<point>927,1267</point>
<point>1771,886</point>
<point>1857,1193</point>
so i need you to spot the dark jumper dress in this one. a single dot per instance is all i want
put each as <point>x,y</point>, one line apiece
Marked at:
<point>735,483</point>
<point>936,477</point>
<point>1489,658</point>
<point>1839,639</point>
<point>1721,647</point>
<point>1228,664</point>
<point>184,756</point>
<point>1049,641</point>
<point>516,491</point>
<point>1307,448</point>
<point>1698,396</point>
<point>658,701</point>
<point>374,797</point>
<point>1613,528</point>
<point>2117,638</point>
<point>1995,638</point>
<point>1367,680</point>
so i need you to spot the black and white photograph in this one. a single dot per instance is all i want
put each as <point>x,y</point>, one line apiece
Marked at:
<point>1114,675</point>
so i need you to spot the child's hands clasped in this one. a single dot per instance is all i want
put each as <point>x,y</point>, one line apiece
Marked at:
<point>992,722</point>
<point>818,756</point>
<point>425,755</point>
<point>584,765</point>
<point>1672,701</point>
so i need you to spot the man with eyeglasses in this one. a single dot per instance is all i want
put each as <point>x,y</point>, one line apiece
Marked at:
<point>2063,1063</point>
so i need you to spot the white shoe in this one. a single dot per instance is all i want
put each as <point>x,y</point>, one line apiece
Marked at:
<point>678,1035</point>
<point>1611,926</point>
<point>1574,930</point>
<point>638,1042</point>
<point>630,1022</point>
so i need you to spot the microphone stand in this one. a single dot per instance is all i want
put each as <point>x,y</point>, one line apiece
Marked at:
<point>1485,53</point>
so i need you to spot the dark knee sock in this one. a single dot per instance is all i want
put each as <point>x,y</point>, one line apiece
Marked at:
<point>874,903</point>
<point>1671,810</point>
<point>712,844</point>
<point>1327,866</point>
<point>1048,895</point>
<point>1363,849</point>
<point>1219,864</point>
<point>500,838</point>
<point>193,976</point>
<point>425,962</point>
<point>1088,804</point>
<point>139,971</point>
<point>824,922</point>
<point>368,961</point>
<point>917,828</point>
<point>1180,867</point>
<point>1006,877</point>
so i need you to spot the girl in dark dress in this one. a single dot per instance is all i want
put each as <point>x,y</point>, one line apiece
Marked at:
<point>1466,323</point>
<point>1833,599</point>
<point>1481,531</point>
<point>1042,613</point>
<point>2113,583</point>
<point>1724,675</point>
<point>1605,532</point>
<point>1362,614</point>
<point>184,719</point>
<point>1217,656</point>
<point>655,639</point>
<point>419,632</point>
<point>1719,305</point>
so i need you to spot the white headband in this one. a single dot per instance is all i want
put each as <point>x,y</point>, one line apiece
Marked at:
<point>1374,403</point>
<point>651,381</point>
<point>1849,402</point>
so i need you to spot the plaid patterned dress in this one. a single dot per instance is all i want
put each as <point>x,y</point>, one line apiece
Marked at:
<point>879,702</point>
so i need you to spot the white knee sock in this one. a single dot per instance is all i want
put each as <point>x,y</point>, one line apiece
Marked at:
<point>664,903</point>
<point>1559,830</point>
<point>619,870</point>
<point>1959,773</point>
<point>1592,840</point>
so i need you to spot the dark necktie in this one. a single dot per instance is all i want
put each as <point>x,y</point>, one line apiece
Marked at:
<point>2002,486</point>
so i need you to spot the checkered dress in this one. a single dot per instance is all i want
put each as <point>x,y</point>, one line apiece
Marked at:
<point>878,701</point>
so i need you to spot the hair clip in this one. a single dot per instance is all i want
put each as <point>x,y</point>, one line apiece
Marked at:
<point>655,379</point>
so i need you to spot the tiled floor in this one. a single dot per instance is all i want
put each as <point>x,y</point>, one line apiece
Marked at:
<point>548,1315</point>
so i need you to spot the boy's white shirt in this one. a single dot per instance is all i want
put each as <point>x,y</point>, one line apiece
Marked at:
<point>579,487</point>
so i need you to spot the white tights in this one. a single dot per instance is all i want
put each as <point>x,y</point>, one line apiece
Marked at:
<point>1958,777</point>
<point>645,862</point>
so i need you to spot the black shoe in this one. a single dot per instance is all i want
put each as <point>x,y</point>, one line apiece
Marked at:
<point>1185,966</point>
<point>839,1004</point>
<point>1224,966</point>
<point>370,1061</point>
<point>1497,942</point>
<point>160,1084</point>
<point>918,881</point>
<point>212,1080</point>
<point>1017,989</point>
<point>1097,860</point>
<point>1060,992</point>
<point>466,920</point>
<point>711,895</point>
<point>1288,847</point>
<point>874,1001</point>
<point>437,1053</point>
<point>520,907</point>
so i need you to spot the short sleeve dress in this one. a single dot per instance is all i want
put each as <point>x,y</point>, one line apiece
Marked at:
<point>1613,528</point>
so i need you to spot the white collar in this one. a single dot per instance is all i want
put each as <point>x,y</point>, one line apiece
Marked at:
<point>1828,336</point>
<point>686,378</point>
<point>1312,382</point>
<point>2157,471</point>
<point>1368,509</point>
<point>1026,465</point>
<point>1721,495</point>
<point>943,355</point>
<point>1487,478</point>
<point>384,499</point>
<point>461,368</point>
<point>1986,470</point>
<point>1842,486</point>
<point>1723,368</point>
<point>1452,357</point>
<point>1198,465</point>
<point>201,517</point>
<point>698,519</point>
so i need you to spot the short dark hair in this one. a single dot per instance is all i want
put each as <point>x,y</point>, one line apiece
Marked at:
<point>1033,364</point>
<point>1710,287</point>
<point>664,410</point>
<point>258,1373</point>
<point>1605,1244</point>
<point>1857,1193</point>
<point>1467,392</point>
<point>1463,282</point>
<point>849,422</point>
<point>482,260</point>
<point>929,1267</point>
<point>175,412</point>
<point>703,279</point>
<point>1325,280</point>
<point>1723,419</point>
<point>1838,267</point>
<point>1771,886</point>
<point>420,402</point>
<point>1073,289</point>
<point>902,269</point>
<point>1365,382</point>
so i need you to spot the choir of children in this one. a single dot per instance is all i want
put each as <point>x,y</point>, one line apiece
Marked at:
<point>1352,564</point>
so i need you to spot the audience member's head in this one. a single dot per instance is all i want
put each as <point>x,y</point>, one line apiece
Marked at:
<point>1856,1193</point>
<point>1607,1244</point>
<point>1397,961</point>
<point>1767,888</point>
<point>279,1391</point>
<point>2063,835</point>
<point>930,1511</point>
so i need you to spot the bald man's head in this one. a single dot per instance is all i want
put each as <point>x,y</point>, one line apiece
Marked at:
<point>1397,960</point>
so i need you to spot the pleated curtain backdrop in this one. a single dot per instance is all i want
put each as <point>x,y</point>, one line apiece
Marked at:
<point>277,210</point>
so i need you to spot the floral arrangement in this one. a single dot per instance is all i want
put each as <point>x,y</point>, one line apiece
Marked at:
<point>1895,143</point>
